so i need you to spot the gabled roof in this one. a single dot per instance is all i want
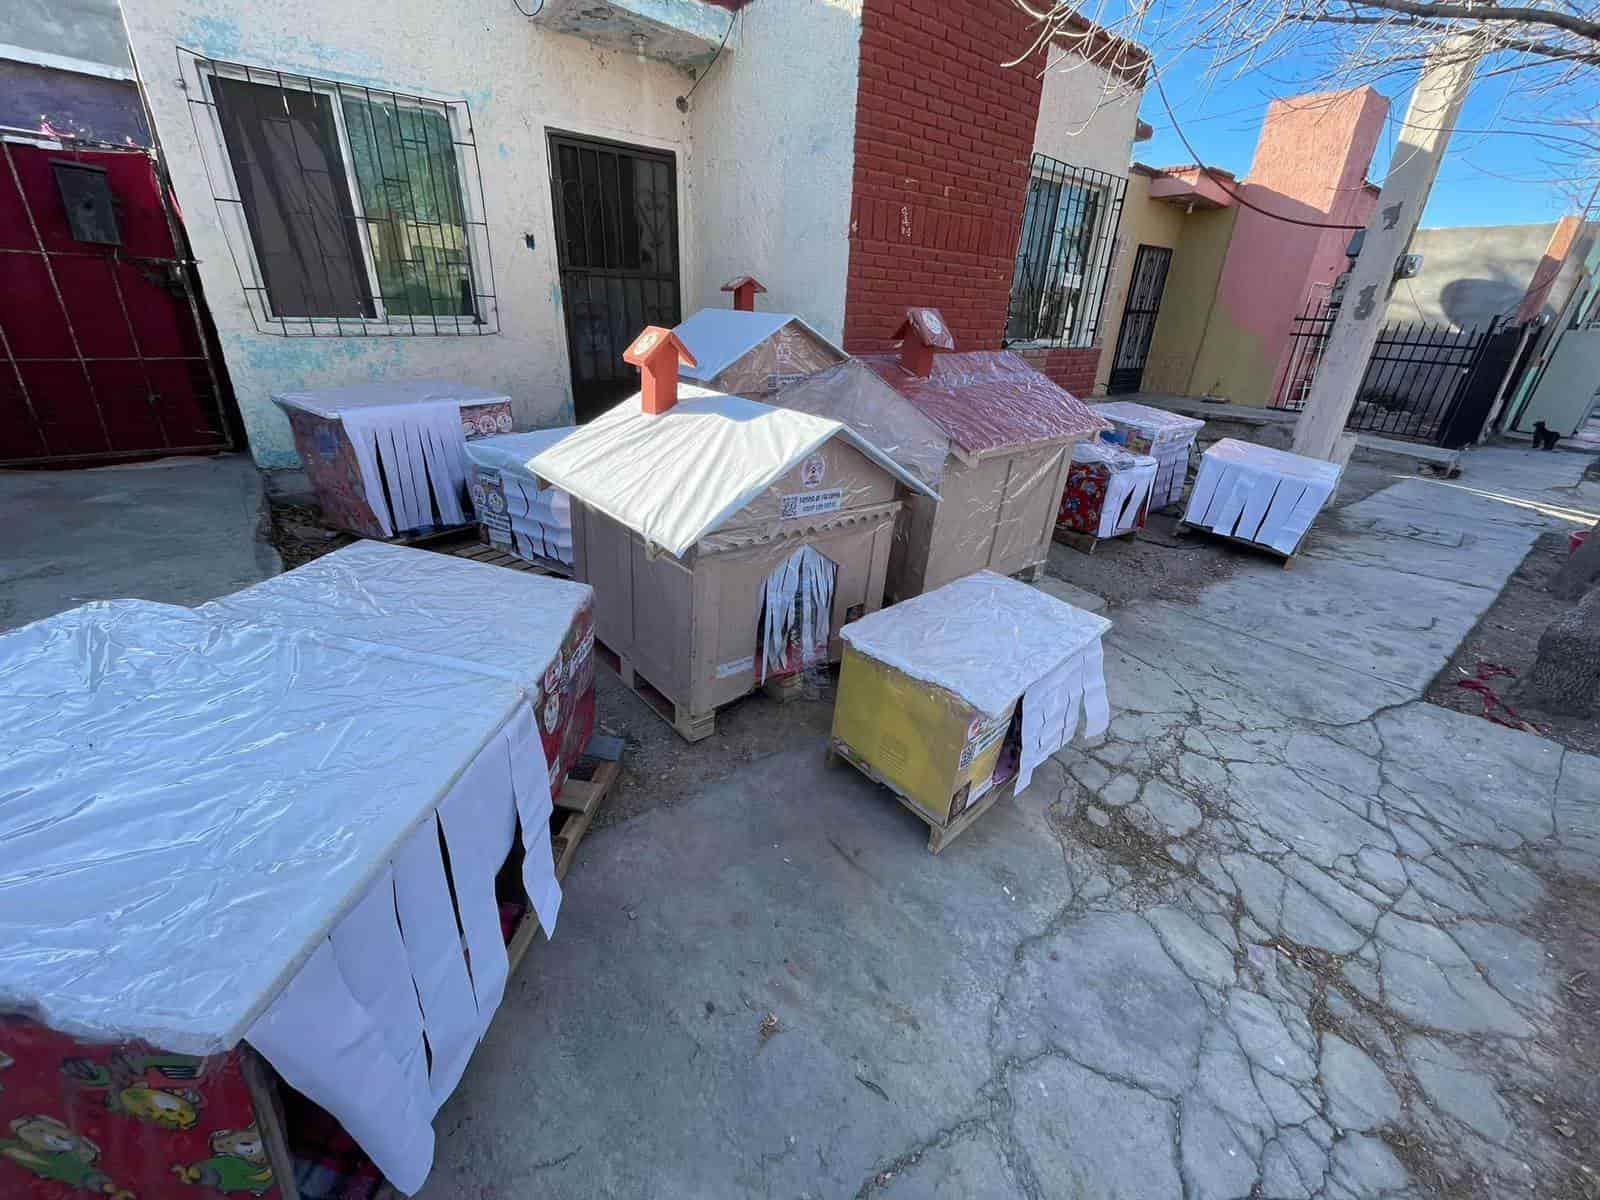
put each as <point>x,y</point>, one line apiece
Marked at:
<point>720,337</point>
<point>677,476</point>
<point>989,401</point>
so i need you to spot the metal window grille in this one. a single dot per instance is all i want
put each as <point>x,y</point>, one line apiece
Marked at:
<point>1069,229</point>
<point>349,211</point>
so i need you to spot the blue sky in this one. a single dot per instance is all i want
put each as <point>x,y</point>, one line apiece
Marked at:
<point>1486,179</point>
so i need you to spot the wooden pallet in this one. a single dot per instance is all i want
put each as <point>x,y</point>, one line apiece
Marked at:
<point>1284,560</point>
<point>691,727</point>
<point>1086,543</point>
<point>497,556</point>
<point>939,836</point>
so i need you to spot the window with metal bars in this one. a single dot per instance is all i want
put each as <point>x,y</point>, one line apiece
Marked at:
<point>1069,228</point>
<point>350,211</point>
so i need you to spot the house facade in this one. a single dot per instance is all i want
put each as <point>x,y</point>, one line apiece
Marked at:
<point>507,195</point>
<point>1204,299</point>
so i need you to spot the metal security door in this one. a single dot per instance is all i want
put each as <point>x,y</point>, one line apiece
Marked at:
<point>1139,318</point>
<point>616,216</point>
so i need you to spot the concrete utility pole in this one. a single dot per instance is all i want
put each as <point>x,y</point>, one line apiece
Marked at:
<point>1430,117</point>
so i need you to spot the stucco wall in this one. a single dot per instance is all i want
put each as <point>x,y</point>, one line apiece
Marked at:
<point>1470,274</point>
<point>520,81</point>
<point>1145,222</point>
<point>1187,305</point>
<point>773,128</point>
<point>1087,115</point>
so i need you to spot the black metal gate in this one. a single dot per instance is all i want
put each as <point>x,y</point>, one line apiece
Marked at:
<point>1145,287</point>
<point>616,217</point>
<point>1423,381</point>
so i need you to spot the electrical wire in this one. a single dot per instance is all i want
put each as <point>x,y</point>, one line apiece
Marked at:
<point>683,100</point>
<point>1221,182</point>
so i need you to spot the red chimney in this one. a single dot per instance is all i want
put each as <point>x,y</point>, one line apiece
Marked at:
<point>920,334</point>
<point>744,289</point>
<point>657,353</point>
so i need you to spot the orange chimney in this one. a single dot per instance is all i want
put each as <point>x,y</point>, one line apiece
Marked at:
<point>744,289</point>
<point>657,353</point>
<point>920,334</point>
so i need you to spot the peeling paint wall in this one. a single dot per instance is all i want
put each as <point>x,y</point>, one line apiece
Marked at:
<point>520,81</point>
<point>773,129</point>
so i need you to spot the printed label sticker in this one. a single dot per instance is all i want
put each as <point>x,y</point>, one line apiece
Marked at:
<point>737,666</point>
<point>811,504</point>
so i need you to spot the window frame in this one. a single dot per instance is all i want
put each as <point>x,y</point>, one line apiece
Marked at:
<point>1099,239</point>
<point>198,75</point>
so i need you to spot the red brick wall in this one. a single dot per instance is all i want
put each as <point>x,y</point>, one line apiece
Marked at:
<point>944,136</point>
<point>1071,369</point>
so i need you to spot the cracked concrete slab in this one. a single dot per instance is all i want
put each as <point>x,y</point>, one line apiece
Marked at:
<point>1285,930</point>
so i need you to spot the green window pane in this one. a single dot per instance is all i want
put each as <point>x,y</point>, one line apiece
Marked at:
<point>410,188</point>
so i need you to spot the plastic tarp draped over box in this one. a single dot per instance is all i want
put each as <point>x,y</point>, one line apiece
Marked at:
<point>989,401</point>
<point>752,353</point>
<point>214,827</point>
<point>514,505</point>
<point>679,475</point>
<point>990,639</point>
<point>1259,494</point>
<point>854,393</point>
<point>1165,436</point>
<point>1107,489</point>
<point>406,433</point>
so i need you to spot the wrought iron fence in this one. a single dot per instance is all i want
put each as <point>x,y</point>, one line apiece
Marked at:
<point>1069,227</point>
<point>1414,380</point>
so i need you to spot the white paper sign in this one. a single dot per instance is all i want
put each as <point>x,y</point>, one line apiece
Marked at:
<point>737,667</point>
<point>811,504</point>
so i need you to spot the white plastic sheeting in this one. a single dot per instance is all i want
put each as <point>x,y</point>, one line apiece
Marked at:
<point>191,803</point>
<point>677,476</point>
<point>1129,478</point>
<point>220,828</point>
<point>1166,436</point>
<point>990,639</point>
<point>537,518</point>
<point>1258,494</point>
<point>719,337</point>
<point>406,433</point>
<point>503,623</point>
<point>798,610</point>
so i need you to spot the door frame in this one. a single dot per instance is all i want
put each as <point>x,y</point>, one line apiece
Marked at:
<point>644,147</point>
<point>1128,309</point>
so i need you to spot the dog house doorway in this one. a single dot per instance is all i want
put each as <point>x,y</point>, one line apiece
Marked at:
<point>616,219</point>
<point>796,615</point>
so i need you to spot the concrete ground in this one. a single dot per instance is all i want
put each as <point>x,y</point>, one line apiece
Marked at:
<point>1286,931</point>
<point>180,530</point>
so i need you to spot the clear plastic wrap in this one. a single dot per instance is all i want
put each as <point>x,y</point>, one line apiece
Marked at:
<point>677,476</point>
<point>1168,437</point>
<point>853,393</point>
<point>191,803</point>
<point>991,400</point>
<point>1108,490</point>
<point>517,509</point>
<point>333,403</point>
<point>752,353</point>
<point>1259,494</point>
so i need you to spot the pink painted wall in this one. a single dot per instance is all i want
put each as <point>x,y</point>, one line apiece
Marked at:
<point>1310,163</point>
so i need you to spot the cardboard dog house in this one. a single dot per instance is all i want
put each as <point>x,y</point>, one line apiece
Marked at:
<point>748,353</point>
<point>387,457</point>
<point>295,853</point>
<point>1107,493</point>
<point>727,540</point>
<point>1167,437</point>
<point>1001,432</point>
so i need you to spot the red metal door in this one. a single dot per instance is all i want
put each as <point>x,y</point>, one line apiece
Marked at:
<point>105,355</point>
